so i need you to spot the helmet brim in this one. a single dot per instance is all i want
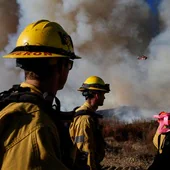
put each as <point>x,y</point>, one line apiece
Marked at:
<point>92,88</point>
<point>25,54</point>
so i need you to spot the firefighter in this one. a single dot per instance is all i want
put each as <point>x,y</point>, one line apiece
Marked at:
<point>85,129</point>
<point>29,132</point>
<point>161,141</point>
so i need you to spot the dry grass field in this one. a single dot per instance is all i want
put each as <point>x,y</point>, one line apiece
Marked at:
<point>129,145</point>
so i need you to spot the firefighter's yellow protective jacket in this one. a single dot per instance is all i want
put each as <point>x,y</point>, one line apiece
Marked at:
<point>29,139</point>
<point>88,141</point>
<point>158,141</point>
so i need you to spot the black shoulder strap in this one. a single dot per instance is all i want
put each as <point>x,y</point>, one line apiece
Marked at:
<point>14,89</point>
<point>87,112</point>
<point>11,95</point>
<point>81,112</point>
<point>20,94</point>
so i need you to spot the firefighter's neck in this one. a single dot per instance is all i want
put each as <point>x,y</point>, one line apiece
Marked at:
<point>42,86</point>
<point>92,103</point>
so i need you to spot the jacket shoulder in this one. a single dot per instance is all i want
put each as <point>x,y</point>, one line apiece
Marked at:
<point>20,107</point>
<point>27,113</point>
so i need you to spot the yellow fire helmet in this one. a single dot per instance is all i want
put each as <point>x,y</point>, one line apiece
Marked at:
<point>94,83</point>
<point>43,39</point>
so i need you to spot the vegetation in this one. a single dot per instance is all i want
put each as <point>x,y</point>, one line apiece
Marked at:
<point>129,145</point>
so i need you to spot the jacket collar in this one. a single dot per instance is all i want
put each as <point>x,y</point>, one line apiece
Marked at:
<point>33,88</point>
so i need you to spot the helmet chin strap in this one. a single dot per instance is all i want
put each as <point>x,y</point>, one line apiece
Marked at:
<point>49,97</point>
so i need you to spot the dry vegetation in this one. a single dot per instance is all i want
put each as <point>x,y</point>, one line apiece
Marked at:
<point>129,146</point>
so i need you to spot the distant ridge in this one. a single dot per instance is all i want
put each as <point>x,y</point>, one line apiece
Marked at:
<point>123,113</point>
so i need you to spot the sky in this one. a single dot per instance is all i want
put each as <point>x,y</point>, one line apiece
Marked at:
<point>154,8</point>
<point>154,4</point>
<point>109,38</point>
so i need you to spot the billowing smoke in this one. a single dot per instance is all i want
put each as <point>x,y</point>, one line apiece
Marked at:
<point>109,36</point>
<point>9,25</point>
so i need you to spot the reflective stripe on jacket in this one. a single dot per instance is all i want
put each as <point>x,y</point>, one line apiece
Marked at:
<point>89,145</point>
<point>29,138</point>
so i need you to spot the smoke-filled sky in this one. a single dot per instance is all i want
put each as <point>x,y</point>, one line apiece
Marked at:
<point>109,36</point>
